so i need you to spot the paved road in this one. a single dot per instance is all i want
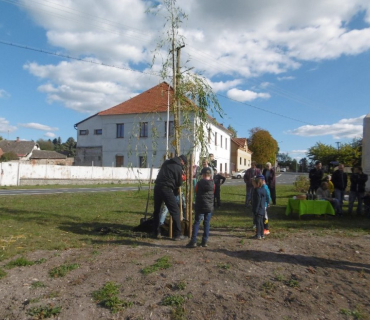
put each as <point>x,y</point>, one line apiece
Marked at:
<point>282,178</point>
<point>63,190</point>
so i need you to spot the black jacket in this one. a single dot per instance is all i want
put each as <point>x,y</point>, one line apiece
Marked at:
<point>219,179</point>
<point>170,174</point>
<point>358,182</point>
<point>204,200</point>
<point>315,176</point>
<point>339,179</point>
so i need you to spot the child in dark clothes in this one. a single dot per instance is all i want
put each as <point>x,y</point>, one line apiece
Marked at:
<point>258,206</point>
<point>218,180</point>
<point>204,205</point>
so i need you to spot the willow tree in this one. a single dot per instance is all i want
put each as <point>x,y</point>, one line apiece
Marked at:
<point>192,94</point>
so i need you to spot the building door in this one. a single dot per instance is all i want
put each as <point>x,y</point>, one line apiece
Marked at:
<point>119,161</point>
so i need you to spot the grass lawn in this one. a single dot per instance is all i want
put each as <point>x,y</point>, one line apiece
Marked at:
<point>63,221</point>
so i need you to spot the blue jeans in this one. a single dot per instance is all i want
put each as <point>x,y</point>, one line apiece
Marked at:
<point>198,218</point>
<point>352,197</point>
<point>164,210</point>
<point>339,194</point>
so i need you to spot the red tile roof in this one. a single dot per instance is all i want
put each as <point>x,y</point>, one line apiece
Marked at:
<point>153,100</point>
<point>240,141</point>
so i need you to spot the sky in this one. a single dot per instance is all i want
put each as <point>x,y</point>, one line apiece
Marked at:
<point>299,69</point>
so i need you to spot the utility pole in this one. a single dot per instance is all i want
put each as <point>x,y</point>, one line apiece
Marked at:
<point>177,103</point>
<point>338,144</point>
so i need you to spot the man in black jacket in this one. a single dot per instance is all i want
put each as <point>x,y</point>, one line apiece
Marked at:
<point>168,181</point>
<point>357,190</point>
<point>339,179</point>
<point>315,175</point>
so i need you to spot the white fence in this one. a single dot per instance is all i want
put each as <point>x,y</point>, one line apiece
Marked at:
<point>18,173</point>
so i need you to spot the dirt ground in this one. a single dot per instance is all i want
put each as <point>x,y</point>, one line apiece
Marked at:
<point>303,275</point>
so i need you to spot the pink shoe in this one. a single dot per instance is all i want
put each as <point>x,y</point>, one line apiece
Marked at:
<point>266,232</point>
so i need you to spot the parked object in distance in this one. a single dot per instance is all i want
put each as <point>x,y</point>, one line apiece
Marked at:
<point>282,169</point>
<point>238,174</point>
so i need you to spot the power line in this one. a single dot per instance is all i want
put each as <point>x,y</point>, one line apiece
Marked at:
<point>143,72</point>
<point>78,59</point>
<point>102,23</point>
<point>264,110</point>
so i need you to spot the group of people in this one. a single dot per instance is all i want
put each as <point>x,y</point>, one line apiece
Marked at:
<point>207,184</point>
<point>332,188</point>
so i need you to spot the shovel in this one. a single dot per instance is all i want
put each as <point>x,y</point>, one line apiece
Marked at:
<point>142,220</point>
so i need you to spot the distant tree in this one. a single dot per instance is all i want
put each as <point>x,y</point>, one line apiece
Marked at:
<point>8,156</point>
<point>69,147</point>
<point>232,130</point>
<point>263,146</point>
<point>284,160</point>
<point>45,144</point>
<point>348,153</point>
<point>293,165</point>
<point>1,138</point>
<point>303,164</point>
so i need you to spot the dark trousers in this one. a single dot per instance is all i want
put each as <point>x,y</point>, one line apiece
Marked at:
<point>166,195</point>
<point>259,225</point>
<point>273,194</point>
<point>217,195</point>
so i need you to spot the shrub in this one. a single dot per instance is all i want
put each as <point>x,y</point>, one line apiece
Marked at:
<point>301,184</point>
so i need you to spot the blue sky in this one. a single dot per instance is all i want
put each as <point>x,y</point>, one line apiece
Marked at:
<point>299,70</point>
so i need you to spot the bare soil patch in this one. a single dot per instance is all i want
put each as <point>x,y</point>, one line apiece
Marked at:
<point>292,276</point>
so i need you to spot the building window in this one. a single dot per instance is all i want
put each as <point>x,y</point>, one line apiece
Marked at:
<point>119,161</point>
<point>120,130</point>
<point>209,135</point>
<point>84,132</point>
<point>240,160</point>
<point>225,143</point>
<point>143,129</point>
<point>215,138</point>
<point>226,167</point>
<point>171,130</point>
<point>220,167</point>
<point>245,162</point>
<point>98,131</point>
<point>221,140</point>
<point>142,162</point>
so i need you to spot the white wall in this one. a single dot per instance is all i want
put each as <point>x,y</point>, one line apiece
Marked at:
<point>13,172</point>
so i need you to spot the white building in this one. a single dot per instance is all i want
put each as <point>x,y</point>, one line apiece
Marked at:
<point>134,133</point>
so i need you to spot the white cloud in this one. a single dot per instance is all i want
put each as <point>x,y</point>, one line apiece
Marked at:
<point>345,128</point>
<point>298,151</point>
<point>37,126</point>
<point>5,127</point>
<point>243,40</point>
<point>4,94</point>
<point>246,95</point>
<point>224,85</point>
<point>49,135</point>
<point>87,87</point>
<point>286,78</point>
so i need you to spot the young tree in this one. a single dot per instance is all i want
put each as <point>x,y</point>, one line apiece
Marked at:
<point>192,94</point>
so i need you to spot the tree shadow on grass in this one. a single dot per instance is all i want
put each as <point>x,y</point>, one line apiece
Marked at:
<point>297,259</point>
<point>31,216</point>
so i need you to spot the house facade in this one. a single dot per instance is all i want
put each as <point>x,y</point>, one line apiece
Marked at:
<point>134,133</point>
<point>241,156</point>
